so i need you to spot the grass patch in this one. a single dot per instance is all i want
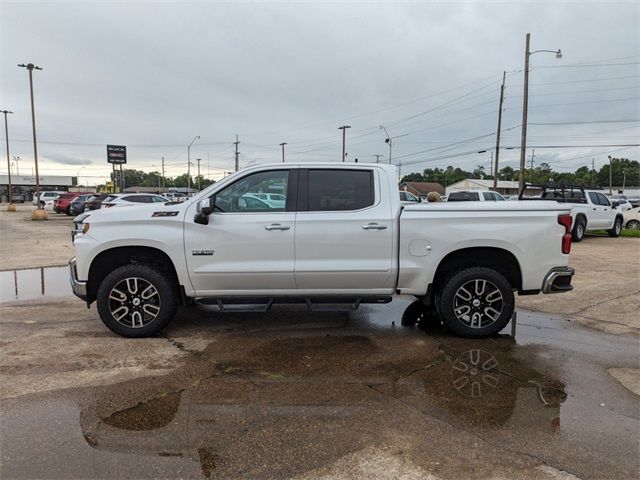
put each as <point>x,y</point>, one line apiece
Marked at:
<point>625,233</point>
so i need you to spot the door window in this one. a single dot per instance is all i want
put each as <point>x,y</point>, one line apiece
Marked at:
<point>488,196</point>
<point>248,193</point>
<point>603,200</point>
<point>593,196</point>
<point>340,190</point>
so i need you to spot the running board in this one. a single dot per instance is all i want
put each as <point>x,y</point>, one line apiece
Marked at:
<point>314,304</point>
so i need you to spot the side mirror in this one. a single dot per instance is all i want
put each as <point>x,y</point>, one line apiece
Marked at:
<point>203,210</point>
<point>615,204</point>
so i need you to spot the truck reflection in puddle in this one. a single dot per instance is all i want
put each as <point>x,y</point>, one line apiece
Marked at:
<point>309,399</point>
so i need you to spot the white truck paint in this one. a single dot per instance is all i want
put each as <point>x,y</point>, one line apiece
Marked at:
<point>311,252</point>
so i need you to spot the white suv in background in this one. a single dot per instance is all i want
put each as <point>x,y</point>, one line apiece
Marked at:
<point>128,200</point>
<point>475,196</point>
<point>45,197</point>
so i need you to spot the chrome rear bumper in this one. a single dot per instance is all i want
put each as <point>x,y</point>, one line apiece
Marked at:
<point>79,288</point>
<point>558,280</point>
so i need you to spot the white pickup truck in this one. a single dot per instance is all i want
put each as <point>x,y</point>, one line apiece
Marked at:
<point>341,239</point>
<point>590,209</point>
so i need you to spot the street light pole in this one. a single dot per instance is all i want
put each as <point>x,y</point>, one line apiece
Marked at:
<point>10,207</point>
<point>31,67</point>
<point>198,160</point>
<point>525,106</point>
<point>610,175</point>
<point>78,176</point>
<point>197,137</point>
<point>282,145</point>
<point>344,134</point>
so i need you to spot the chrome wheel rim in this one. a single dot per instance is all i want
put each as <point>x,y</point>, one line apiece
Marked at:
<point>580,231</point>
<point>134,302</point>
<point>478,303</point>
<point>618,227</point>
<point>633,225</point>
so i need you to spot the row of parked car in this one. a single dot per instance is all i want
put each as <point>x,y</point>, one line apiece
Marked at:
<point>78,202</point>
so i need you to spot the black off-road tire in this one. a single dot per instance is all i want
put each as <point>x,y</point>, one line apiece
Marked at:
<point>577,234</point>
<point>617,228</point>
<point>447,298</point>
<point>167,291</point>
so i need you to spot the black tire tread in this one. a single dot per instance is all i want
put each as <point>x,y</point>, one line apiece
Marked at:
<point>169,296</point>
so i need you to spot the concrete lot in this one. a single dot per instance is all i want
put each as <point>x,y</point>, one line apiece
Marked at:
<point>289,394</point>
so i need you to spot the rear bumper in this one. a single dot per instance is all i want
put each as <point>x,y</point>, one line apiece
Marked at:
<point>558,280</point>
<point>79,288</point>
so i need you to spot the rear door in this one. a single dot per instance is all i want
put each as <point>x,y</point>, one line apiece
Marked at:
<point>344,232</point>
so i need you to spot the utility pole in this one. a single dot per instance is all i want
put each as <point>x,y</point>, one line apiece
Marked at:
<point>495,177</point>
<point>377,157</point>
<point>31,67</point>
<point>163,174</point>
<point>593,169</point>
<point>344,134</point>
<point>624,179</point>
<point>491,166</point>
<point>10,207</point>
<point>610,175</point>
<point>533,154</point>
<point>198,160</point>
<point>525,105</point>
<point>282,145</point>
<point>197,137</point>
<point>236,143</point>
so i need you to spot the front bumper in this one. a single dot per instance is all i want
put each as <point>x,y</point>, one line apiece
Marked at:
<point>558,280</point>
<point>79,288</point>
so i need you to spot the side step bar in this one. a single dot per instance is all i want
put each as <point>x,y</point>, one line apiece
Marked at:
<point>314,304</point>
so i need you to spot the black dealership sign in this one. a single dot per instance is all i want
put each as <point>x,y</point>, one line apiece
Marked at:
<point>116,154</point>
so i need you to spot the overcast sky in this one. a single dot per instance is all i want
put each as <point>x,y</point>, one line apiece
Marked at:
<point>152,75</point>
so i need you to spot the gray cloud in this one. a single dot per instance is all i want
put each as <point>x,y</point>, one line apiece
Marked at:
<point>153,75</point>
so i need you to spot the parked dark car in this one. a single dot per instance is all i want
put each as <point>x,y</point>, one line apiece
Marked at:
<point>63,203</point>
<point>95,201</point>
<point>78,205</point>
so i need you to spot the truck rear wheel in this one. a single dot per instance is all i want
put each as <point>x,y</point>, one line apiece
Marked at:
<point>617,228</point>
<point>476,302</point>
<point>578,230</point>
<point>136,300</point>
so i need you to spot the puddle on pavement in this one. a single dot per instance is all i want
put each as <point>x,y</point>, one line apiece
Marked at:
<point>281,402</point>
<point>34,284</point>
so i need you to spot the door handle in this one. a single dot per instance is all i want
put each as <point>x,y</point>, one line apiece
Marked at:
<point>374,226</point>
<point>277,226</point>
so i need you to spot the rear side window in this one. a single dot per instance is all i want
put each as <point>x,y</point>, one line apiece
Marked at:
<point>463,197</point>
<point>340,190</point>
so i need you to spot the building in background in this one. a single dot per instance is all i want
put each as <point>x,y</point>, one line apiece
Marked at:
<point>25,185</point>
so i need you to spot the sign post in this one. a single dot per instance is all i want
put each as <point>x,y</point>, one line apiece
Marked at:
<point>117,155</point>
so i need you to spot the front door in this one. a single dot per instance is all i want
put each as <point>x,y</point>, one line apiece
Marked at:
<point>248,245</point>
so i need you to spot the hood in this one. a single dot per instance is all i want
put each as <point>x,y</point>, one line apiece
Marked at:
<point>137,212</point>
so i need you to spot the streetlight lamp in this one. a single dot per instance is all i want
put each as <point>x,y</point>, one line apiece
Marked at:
<point>525,105</point>
<point>10,206</point>
<point>282,145</point>
<point>78,175</point>
<point>31,67</point>
<point>16,159</point>
<point>197,137</point>
<point>389,140</point>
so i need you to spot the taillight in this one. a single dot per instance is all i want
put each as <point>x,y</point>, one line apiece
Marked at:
<point>566,238</point>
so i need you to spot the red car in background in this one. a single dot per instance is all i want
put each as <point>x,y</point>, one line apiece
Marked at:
<point>63,203</point>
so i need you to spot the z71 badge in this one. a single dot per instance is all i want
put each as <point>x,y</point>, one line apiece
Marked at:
<point>201,252</point>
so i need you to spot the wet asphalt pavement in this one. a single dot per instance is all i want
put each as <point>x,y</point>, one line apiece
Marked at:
<point>291,394</point>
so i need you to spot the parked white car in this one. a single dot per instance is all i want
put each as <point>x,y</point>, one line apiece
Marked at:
<point>274,200</point>
<point>130,199</point>
<point>45,197</point>
<point>342,239</point>
<point>632,218</point>
<point>590,209</point>
<point>475,196</point>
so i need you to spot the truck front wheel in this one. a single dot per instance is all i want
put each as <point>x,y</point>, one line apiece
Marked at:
<point>617,228</point>
<point>136,300</point>
<point>476,302</point>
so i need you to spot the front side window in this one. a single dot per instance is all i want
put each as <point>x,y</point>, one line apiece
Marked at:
<point>249,193</point>
<point>340,190</point>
